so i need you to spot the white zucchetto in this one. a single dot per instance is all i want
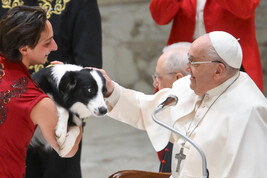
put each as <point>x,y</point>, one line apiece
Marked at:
<point>227,47</point>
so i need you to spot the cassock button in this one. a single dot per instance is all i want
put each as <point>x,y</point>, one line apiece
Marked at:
<point>163,161</point>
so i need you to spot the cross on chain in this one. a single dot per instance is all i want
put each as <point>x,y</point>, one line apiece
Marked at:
<point>180,156</point>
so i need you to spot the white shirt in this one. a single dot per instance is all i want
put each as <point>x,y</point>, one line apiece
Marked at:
<point>199,26</point>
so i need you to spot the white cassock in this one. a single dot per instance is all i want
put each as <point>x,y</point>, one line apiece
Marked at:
<point>229,124</point>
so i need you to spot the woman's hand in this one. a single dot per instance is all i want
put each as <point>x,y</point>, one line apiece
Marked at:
<point>56,62</point>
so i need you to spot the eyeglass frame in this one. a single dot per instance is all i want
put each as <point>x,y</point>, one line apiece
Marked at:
<point>156,76</point>
<point>204,62</point>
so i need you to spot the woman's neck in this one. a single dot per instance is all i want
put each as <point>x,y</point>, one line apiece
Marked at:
<point>26,64</point>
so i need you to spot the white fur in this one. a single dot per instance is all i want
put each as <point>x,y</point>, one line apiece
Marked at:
<point>98,101</point>
<point>81,110</point>
<point>62,125</point>
<point>70,140</point>
<point>59,70</point>
<point>66,137</point>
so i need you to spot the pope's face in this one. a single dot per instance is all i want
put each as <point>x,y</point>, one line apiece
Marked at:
<point>201,74</point>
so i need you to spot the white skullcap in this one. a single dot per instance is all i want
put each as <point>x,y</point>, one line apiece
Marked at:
<point>227,47</point>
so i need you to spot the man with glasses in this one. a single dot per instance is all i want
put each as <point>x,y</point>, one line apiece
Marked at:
<point>170,67</point>
<point>220,108</point>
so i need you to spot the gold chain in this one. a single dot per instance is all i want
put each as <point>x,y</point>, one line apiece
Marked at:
<point>9,4</point>
<point>59,6</point>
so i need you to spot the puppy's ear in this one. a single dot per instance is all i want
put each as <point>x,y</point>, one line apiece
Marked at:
<point>67,83</point>
<point>102,77</point>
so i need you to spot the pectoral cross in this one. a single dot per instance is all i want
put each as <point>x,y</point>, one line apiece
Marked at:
<point>180,156</point>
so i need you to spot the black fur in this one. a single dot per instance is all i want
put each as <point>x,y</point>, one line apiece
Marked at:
<point>75,86</point>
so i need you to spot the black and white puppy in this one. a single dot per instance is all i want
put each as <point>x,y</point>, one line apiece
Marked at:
<point>78,93</point>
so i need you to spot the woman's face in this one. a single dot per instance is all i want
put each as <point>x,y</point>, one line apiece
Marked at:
<point>39,54</point>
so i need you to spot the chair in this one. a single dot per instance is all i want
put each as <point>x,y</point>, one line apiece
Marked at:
<point>139,174</point>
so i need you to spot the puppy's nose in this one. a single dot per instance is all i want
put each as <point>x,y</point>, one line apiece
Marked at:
<point>102,110</point>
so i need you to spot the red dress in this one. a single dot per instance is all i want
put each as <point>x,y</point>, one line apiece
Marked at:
<point>236,17</point>
<point>18,95</point>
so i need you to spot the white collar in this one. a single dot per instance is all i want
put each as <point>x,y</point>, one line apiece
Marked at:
<point>221,88</point>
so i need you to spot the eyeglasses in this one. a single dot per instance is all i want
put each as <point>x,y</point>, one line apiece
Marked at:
<point>155,76</point>
<point>203,62</point>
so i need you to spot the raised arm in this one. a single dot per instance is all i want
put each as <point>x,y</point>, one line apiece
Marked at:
<point>163,11</point>
<point>44,114</point>
<point>241,8</point>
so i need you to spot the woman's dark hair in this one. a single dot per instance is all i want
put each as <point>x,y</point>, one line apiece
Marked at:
<point>20,26</point>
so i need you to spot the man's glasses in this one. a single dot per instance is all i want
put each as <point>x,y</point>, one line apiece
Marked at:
<point>155,76</point>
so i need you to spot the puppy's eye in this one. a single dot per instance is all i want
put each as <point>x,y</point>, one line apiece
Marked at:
<point>91,90</point>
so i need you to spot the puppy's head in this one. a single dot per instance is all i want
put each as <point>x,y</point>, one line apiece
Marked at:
<point>83,92</point>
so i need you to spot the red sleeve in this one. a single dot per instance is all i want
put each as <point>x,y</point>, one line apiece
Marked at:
<point>163,11</point>
<point>33,103</point>
<point>243,9</point>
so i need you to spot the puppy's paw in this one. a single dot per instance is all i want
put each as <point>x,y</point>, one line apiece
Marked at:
<point>61,133</point>
<point>60,136</point>
<point>61,128</point>
<point>70,140</point>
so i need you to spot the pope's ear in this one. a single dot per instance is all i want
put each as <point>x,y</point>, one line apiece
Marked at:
<point>23,50</point>
<point>220,71</point>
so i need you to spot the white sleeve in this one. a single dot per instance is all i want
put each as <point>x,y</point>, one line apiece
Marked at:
<point>114,97</point>
<point>135,108</point>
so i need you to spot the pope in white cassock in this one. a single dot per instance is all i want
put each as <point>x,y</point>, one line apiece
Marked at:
<point>219,108</point>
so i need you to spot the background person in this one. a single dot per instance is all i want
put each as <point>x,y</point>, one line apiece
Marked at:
<point>193,18</point>
<point>26,38</point>
<point>170,67</point>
